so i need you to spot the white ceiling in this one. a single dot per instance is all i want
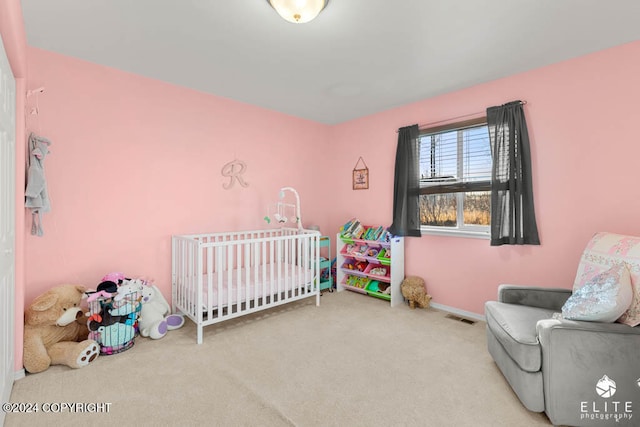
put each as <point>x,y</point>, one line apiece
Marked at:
<point>357,58</point>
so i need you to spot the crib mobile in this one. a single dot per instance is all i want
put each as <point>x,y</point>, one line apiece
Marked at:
<point>282,212</point>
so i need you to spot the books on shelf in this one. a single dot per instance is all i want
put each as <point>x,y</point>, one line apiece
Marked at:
<point>354,229</point>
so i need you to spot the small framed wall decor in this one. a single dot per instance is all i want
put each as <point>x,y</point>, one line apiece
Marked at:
<point>360,176</point>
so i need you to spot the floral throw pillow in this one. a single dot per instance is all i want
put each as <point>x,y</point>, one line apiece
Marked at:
<point>604,251</point>
<point>602,299</point>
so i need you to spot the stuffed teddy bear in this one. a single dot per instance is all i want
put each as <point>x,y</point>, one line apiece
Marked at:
<point>55,331</point>
<point>155,318</point>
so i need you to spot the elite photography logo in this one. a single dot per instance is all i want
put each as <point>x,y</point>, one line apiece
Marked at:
<point>606,408</point>
<point>606,387</point>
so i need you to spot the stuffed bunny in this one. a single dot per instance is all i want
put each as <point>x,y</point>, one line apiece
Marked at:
<point>155,316</point>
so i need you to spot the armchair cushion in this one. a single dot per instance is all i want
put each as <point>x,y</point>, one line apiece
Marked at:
<point>514,326</point>
<point>605,250</point>
<point>602,299</point>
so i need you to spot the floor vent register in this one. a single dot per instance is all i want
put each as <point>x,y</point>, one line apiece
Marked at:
<point>460,319</point>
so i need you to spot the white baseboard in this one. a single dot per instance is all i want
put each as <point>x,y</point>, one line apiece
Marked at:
<point>19,375</point>
<point>457,311</point>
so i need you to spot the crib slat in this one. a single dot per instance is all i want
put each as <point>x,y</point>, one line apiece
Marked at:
<point>263,282</point>
<point>272,271</point>
<point>210,274</point>
<point>229,284</point>
<point>186,284</point>
<point>280,261</point>
<point>293,262</point>
<point>188,264</point>
<point>246,266</point>
<point>295,266</point>
<point>286,268</point>
<point>219,270</point>
<point>238,268</point>
<point>254,264</point>
<point>179,274</point>
<point>303,266</point>
<point>199,301</point>
<point>309,252</point>
<point>300,265</point>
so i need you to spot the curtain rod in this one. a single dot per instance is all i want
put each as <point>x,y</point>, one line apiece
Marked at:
<point>457,117</point>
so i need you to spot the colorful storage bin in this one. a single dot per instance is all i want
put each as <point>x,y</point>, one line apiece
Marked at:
<point>357,283</point>
<point>380,271</point>
<point>377,289</point>
<point>384,256</point>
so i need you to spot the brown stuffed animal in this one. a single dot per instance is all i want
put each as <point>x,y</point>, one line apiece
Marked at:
<point>55,331</point>
<point>415,291</point>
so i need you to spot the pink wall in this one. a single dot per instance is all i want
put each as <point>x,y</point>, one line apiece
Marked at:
<point>136,160</point>
<point>581,116</point>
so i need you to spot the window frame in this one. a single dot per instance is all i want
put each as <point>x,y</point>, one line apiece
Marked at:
<point>460,188</point>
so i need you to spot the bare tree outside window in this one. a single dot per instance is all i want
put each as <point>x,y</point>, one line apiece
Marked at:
<point>477,208</point>
<point>439,210</point>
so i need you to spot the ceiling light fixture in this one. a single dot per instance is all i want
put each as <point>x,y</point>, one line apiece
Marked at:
<point>298,11</point>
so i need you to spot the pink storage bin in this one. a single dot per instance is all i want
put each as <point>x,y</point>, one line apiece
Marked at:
<point>379,271</point>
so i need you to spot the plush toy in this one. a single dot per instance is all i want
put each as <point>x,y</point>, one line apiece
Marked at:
<point>415,291</point>
<point>128,290</point>
<point>116,277</point>
<point>105,289</point>
<point>127,298</point>
<point>155,318</point>
<point>55,331</point>
<point>385,288</point>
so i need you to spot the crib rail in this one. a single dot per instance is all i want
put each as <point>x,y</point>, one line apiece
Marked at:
<point>220,276</point>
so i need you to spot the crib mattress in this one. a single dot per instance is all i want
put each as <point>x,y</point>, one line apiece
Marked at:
<point>251,283</point>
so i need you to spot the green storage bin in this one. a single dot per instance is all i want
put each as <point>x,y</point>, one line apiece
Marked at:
<point>373,289</point>
<point>383,258</point>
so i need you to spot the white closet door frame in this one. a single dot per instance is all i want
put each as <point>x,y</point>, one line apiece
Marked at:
<point>7,226</point>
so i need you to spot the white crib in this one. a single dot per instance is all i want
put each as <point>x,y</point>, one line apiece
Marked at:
<point>220,276</point>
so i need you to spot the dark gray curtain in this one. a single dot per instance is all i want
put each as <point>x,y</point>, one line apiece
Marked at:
<point>406,187</point>
<point>513,219</point>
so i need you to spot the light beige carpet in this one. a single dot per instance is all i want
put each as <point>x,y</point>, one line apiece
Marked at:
<point>352,361</point>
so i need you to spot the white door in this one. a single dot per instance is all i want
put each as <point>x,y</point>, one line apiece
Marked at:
<point>7,225</point>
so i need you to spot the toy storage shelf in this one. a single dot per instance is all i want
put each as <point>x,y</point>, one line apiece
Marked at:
<point>368,266</point>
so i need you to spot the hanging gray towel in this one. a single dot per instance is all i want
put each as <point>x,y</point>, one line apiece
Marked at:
<point>37,198</point>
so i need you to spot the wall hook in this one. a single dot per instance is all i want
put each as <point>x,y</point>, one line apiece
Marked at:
<point>33,91</point>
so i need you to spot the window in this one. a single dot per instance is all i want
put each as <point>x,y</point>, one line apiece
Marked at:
<point>455,179</point>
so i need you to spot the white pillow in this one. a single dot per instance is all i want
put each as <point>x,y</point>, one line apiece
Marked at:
<point>602,299</point>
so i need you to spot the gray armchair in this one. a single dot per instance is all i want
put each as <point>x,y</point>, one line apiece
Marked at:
<point>578,373</point>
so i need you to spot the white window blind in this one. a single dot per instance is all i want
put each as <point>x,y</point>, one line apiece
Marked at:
<point>455,159</point>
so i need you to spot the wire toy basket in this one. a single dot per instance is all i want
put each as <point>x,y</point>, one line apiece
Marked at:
<point>113,321</point>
